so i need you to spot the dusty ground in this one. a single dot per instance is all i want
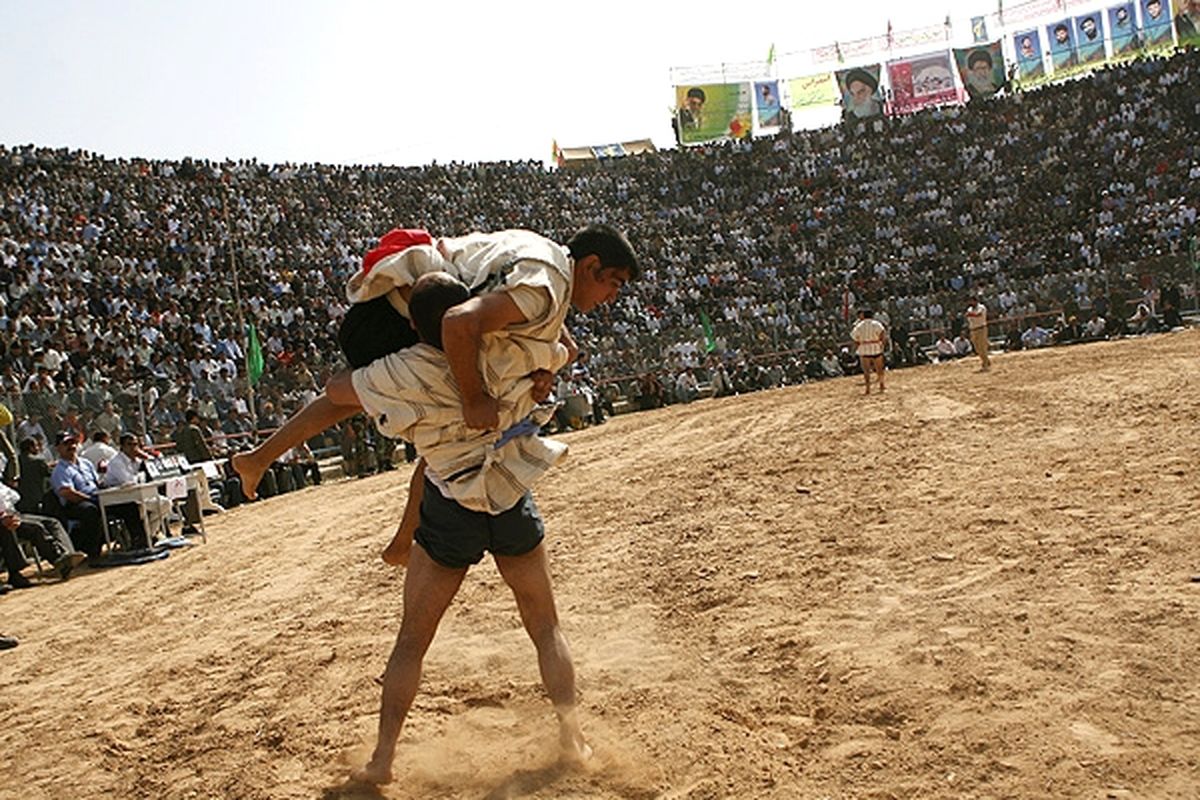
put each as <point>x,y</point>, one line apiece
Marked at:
<point>973,586</point>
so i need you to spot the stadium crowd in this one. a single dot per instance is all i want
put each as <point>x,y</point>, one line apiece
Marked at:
<point>120,302</point>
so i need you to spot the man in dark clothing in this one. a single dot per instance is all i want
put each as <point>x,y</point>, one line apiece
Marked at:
<point>190,441</point>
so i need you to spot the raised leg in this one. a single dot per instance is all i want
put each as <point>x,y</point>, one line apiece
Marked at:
<point>337,403</point>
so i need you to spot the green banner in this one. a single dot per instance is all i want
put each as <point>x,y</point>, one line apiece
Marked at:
<point>254,356</point>
<point>706,112</point>
<point>813,90</point>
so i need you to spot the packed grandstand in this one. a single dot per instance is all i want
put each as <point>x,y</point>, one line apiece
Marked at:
<point>1070,209</point>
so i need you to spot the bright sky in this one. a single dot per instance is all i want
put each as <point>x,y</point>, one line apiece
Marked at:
<point>351,81</point>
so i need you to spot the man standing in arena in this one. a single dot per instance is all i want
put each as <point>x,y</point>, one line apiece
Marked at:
<point>978,325</point>
<point>870,336</point>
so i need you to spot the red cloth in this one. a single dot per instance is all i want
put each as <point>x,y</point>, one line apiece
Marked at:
<point>394,241</point>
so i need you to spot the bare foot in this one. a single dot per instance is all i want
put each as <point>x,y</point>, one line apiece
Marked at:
<point>396,553</point>
<point>575,751</point>
<point>250,474</point>
<point>372,773</point>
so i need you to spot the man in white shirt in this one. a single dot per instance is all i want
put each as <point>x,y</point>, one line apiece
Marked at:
<point>869,336</point>
<point>99,451</point>
<point>125,468</point>
<point>978,324</point>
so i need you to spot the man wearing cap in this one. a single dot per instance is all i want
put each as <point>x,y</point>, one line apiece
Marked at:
<point>862,99</point>
<point>76,484</point>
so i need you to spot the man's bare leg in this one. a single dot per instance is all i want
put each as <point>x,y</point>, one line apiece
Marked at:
<point>529,578</point>
<point>428,589</point>
<point>338,402</point>
<point>396,553</point>
<point>865,363</point>
<point>879,368</point>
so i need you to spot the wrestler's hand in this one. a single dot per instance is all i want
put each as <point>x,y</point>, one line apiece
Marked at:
<point>482,413</point>
<point>543,384</point>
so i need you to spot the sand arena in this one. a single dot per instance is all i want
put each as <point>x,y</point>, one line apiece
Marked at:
<point>976,585</point>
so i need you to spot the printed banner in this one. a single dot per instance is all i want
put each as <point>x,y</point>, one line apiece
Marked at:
<point>1089,38</point>
<point>1187,22</point>
<point>1062,45</point>
<point>712,111</point>
<point>978,30</point>
<point>1028,45</point>
<point>859,88</point>
<point>1123,30</point>
<point>766,103</point>
<point>921,81</point>
<point>1156,23</point>
<point>813,90</point>
<point>981,69</point>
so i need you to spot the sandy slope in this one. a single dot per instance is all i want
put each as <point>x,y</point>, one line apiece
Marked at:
<point>973,586</point>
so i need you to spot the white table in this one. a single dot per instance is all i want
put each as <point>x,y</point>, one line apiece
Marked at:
<point>141,493</point>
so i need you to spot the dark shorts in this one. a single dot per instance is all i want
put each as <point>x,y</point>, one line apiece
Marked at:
<point>457,537</point>
<point>373,330</point>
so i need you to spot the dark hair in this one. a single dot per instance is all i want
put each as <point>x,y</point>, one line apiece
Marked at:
<point>866,312</point>
<point>697,92</point>
<point>126,438</point>
<point>977,56</point>
<point>608,244</point>
<point>29,445</point>
<point>1063,28</point>
<point>432,295</point>
<point>99,435</point>
<point>191,414</point>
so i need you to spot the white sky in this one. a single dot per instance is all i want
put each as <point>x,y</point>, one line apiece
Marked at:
<point>351,81</point>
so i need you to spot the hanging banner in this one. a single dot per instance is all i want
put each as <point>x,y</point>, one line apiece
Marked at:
<point>812,90</point>
<point>1156,23</point>
<point>978,30</point>
<point>1028,45</point>
<point>859,88</point>
<point>981,69</point>
<point>1122,30</point>
<point>921,81</point>
<point>1062,45</point>
<point>712,111</point>
<point>766,103</point>
<point>1089,39</point>
<point>1187,22</point>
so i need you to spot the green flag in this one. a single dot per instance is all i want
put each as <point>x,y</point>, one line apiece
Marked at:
<point>710,341</point>
<point>771,55</point>
<point>254,356</point>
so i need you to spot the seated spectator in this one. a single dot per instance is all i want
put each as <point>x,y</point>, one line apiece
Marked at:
<point>1012,339</point>
<point>76,485</point>
<point>1070,332</point>
<point>962,346</point>
<point>99,451</point>
<point>1035,336</point>
<point>1094,329</point>
<point>687,388</point>
<point>945,349</point>
<point>126,468</point>
<point>831,366</point>
<point>1143,320</point>
<point>46,534</point>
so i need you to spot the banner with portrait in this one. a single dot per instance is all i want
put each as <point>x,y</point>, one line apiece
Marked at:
<point>921,81</point>
<point>1187,22</point>
<point>1156,23</point>
<point>1122,29</point>
<point>711,111</point>
<point>811,91</point>
<point>1089,38</point>
<point>1028,47</point>
<point>981,69</point>
<point>859,88</point>
<point>979,30</point>
<point>1062,45</point>
<point>767,106</point>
